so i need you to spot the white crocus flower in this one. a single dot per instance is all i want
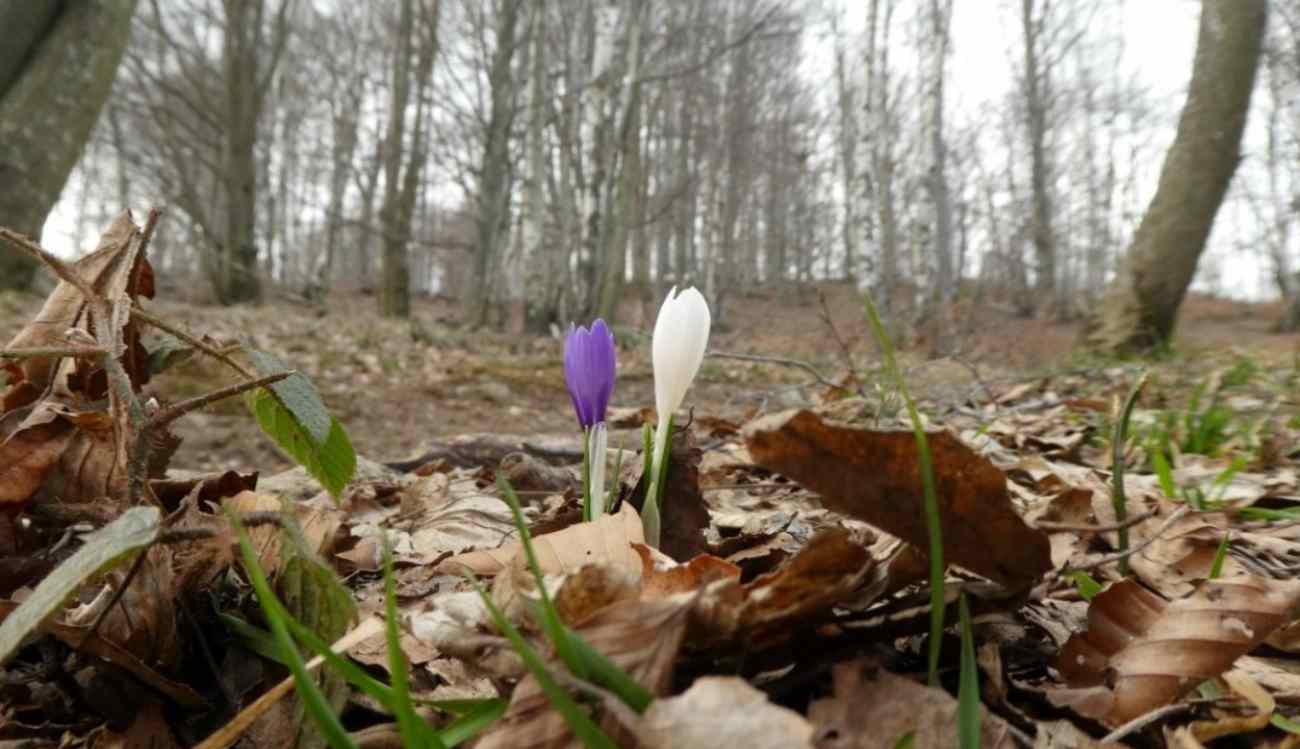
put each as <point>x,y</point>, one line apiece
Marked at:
<point>680,339</point>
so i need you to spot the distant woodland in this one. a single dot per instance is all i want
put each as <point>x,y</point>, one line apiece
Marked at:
<point>557,161</point>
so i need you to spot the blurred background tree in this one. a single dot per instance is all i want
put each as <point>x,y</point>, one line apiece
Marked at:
<point>539,163</point>
<point>57,63</point>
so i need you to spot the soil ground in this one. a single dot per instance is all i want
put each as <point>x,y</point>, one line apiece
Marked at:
<point>398,386</point>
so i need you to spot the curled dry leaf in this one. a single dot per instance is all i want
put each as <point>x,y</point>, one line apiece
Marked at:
<point>874,709</point>
<point>720,711</point>
<point>1141,652</point>
<point>116,269</point>
<point>607,540</point>
<point>830,569</point>
<point>641,637</point>
<point>28,456</point>
<point>876,477</point>
<point>1253,716</point>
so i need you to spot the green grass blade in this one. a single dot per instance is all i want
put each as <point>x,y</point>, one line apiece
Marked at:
<point>583,660</point>
<point>968,688</point>
<point>472,722</point>
<point>314,701</point>
<point>1118,499</point>
<point>414,731</point>
<point>1284,723</point>
<point>1220,554</point>
<point>579,722</point>
<point>607,674</point>
<point>932,518</point>
<point>1164,472</point>
<point>555,630</point>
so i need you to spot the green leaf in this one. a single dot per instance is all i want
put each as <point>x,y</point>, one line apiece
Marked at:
<point>1087,586</point>
<point>132,531</point>
<point>331,462</point>
<point>314,701</point>
<point>297,394</point>
<point>1286,724</point>
<point>167,353</point>
<point>968,687</point>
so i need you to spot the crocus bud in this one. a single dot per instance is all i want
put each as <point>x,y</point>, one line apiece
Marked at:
<point>589,362</point>
<point>680,338</point>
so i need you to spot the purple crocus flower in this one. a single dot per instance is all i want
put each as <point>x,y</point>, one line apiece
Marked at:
<point>589,361</point>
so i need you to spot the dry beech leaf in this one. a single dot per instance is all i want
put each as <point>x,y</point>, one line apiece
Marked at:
<point>607,540</point>
<point>872,708</point>
<point>660,579</point>
<point>115,269</point>
<point>875,476</point>
<point>1228,722</point>
<point>1141,652</point>
<point>831,568</point>
<point>28,456</point>
<point>721,711</point>
<point>641,637</point>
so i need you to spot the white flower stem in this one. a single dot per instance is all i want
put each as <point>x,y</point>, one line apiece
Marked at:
<point>597,447</point>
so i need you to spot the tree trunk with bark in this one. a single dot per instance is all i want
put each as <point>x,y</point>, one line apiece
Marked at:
<point>1140,307</point>
<point>57,65</point>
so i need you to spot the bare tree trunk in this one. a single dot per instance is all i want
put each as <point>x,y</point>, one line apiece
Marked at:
<point>618,217</point>
<point>401,182</point>
<point>937,178</point>
<point>1036,95</point>
<point>57,65</point>
<point>533,241</point>
<point>494,172</point>
<point>1140,308</point>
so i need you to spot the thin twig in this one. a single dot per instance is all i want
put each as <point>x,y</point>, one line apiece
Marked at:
<point>177,410</point>
<point>41,352</point>
<point>1125,554</point>
<point>1046,525</point>
<point>118,593</point>
<point>60,268</point>
<point>217,353</point>
<point>810,369</point>
<point>1144,720</point>
<point>846,353</point>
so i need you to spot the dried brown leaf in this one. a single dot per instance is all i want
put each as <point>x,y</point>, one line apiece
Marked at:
<point>831,568</point>
<point>28,457</point>
<point>641,637</point>
<point>873,709</point>
<point>115,269</point>
<point>876,477</point>
<point>720,711</point>
<point>1141,652</point>
<point>607,540</point>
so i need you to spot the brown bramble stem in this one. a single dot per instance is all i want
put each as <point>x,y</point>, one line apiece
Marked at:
<point>177,410</point>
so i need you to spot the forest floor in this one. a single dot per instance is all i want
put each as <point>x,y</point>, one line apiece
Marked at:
<point>399,386</point>
<point>792,575</point>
